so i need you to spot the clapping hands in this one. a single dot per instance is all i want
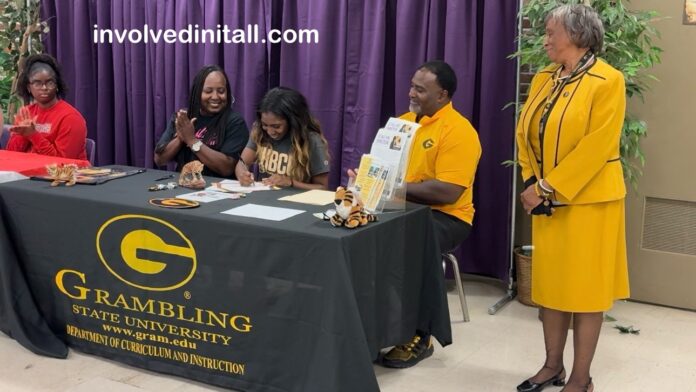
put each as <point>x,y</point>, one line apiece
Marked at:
<point>184,127</point>
<point>24,122</point>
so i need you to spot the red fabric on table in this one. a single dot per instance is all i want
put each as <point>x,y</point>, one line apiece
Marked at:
<point>30,164</point>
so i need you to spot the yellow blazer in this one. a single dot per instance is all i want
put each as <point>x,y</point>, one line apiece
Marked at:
<point>581,140</point>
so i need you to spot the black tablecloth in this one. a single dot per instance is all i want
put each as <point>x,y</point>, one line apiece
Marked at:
<point>257,305</point>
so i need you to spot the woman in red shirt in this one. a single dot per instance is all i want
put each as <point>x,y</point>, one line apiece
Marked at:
<point>47,125</point>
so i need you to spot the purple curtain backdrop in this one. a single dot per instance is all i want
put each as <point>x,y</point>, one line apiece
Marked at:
<point>355,78</point>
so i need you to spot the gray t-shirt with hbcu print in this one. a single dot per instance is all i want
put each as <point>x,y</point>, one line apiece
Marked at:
<point>275,159</point>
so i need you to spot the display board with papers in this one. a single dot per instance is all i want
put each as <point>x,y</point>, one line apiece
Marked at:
<point>382,172</point>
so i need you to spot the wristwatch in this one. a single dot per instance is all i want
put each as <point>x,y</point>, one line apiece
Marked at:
<point>196,146</point>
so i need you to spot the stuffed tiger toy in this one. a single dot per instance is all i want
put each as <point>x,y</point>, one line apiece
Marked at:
<point>60,172</point>
<point>349,210</point>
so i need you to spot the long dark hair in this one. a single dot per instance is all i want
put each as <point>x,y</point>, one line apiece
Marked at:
<point>292,106</point>
<point>216,129</point>
<point>23,80</point>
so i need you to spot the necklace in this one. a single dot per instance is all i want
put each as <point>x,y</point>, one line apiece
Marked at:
<point>558,83</point>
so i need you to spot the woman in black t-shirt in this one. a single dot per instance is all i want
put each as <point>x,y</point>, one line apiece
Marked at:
<point>209,131</point>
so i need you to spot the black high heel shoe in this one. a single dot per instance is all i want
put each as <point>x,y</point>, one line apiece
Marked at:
<point>557,380</point>
<point>589,384</point>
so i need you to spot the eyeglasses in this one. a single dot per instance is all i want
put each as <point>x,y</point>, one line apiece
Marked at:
<point>49,84</point>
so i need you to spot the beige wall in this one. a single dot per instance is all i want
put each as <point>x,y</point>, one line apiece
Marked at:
<point>670,150</point>
<point>670,105</point>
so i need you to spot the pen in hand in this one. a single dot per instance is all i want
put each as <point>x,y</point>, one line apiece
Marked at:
<point>248,172</point>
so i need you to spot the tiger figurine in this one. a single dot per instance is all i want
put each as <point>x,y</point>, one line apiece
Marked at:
<point>60,172</point>
<point>191,175</point>
<point>349,210</point>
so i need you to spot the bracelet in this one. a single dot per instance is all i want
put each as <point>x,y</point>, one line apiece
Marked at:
<point>541,184</point>
<point>540,191</point>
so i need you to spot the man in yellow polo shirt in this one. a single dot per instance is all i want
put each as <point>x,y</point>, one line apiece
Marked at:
<point>442,165</point>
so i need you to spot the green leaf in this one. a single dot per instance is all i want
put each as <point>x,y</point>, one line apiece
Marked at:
<point>14,17</point>
<point>509,163</point>
<point>608,318</point>
<point>628,329</point>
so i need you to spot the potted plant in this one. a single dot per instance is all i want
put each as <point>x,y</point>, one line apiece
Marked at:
<point>20,36</point>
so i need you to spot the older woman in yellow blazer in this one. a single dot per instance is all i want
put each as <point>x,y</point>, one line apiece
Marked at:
<point>568,138</point>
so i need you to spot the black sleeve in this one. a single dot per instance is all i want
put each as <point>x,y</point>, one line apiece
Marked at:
<point>531,180</point>
<point>236,136</point>
<point>167,136</point>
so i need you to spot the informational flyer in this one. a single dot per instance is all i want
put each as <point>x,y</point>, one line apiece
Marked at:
<point>371,181</point>
<point>384,168</point>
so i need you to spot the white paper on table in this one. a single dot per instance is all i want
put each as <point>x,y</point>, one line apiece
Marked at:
<point>235,186</point>
<point>7,176</point>
<point>263,212</point>
<point>206,196</point>
<point>316,197</point>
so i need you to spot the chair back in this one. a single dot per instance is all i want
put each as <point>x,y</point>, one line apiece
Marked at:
<point>90,146</point>
<point>4,136</point>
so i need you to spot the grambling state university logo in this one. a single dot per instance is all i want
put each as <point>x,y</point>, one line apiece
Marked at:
<point>146,252</point>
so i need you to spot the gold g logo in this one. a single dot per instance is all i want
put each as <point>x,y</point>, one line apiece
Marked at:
<point>146,252</point>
